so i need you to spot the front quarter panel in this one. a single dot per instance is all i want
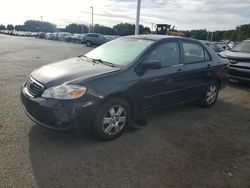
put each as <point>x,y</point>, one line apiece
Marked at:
<point>121,83</point>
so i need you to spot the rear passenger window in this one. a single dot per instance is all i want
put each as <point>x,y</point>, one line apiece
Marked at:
<point>167,53</point>
<point>92,35</point>
<point>194,53</point>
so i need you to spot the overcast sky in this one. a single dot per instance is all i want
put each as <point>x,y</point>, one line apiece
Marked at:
<point>184,14</point>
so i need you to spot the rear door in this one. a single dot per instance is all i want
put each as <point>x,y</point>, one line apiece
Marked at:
<point>94,38</point>
<point>198,68</point>
<point>101,39</point>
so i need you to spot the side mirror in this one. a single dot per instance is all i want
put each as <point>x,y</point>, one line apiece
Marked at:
<point>152,64</point>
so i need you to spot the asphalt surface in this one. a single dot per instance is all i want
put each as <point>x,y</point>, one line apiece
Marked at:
<point>183,146</point>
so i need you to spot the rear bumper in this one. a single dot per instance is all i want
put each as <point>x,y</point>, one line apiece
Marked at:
<point>57,114</point>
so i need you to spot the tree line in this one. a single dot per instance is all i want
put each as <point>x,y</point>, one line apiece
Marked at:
<point>39,26</point>
<point>241,32</point>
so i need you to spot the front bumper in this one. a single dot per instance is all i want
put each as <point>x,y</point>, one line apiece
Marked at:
<point>239,73</point>
<point>58,114</point>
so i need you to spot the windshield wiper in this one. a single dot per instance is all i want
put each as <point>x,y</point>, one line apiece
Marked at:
<point>97,60</point>
<point>103,62</point>
<point>84,56</point>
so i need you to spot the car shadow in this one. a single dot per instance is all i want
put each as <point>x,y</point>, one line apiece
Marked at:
<point>182,142</point>
<point>240,85</point>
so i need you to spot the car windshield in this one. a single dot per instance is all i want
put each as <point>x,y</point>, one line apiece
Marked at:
<point>244,46</point>
<point>120,51</point>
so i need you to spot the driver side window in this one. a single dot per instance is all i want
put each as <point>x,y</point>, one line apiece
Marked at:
<point>168,54</point>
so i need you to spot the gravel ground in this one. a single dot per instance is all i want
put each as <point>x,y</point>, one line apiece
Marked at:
<point>183,146</point>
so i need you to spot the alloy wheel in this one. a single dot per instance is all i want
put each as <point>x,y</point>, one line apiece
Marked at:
<point>114,120</point>
<point>211,94</point>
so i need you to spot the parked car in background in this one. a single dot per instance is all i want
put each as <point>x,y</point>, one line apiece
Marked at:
<point>54,36</point>
<point>40,35</point>
<point>122,80</point>
<point>47,35</point>
<point>28,34</point>
<point>111,37</point>
<point>76,38</point>
<point>231,44</point>
<point>63,35</point>
<point>222,44</point>
<point>239,58</point>
<point>215,47</point>
<point>94,38</point>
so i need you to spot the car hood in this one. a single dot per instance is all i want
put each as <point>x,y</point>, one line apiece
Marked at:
<point>236,55</point>
<point>70,70</point>
<point>237,59</point>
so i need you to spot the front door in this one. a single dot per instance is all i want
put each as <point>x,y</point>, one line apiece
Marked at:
<point>160,87</point>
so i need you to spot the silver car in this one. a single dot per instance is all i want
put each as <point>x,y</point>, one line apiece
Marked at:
<point>239,57</point>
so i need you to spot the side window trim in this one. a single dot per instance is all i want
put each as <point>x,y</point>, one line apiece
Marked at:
<point>206,51</point>
<point>182,52</point>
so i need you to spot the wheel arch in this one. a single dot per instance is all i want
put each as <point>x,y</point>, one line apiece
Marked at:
<point>218,80</point>
<point>125,97</point>
<point>91,43</point>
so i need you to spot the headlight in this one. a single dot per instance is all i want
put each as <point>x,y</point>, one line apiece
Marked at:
<point>222,55</point>
<point>233,61</point>
<point>64,92</point>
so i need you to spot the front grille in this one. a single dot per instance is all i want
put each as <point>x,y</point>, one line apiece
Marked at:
<point>242,74</point>
<point>34,87</point>
<point>238,66</point>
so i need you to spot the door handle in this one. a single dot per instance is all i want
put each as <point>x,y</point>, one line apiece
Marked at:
<point>208,65</point>
<point>179,70</point>
<point>157,80</point>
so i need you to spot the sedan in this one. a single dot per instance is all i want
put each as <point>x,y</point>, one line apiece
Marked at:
<point>122,81</point>
<point>94,39</point>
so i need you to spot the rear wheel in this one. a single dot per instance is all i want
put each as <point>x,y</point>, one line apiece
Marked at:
<point>111,119</point>
<point>211,95</point>
<point>88,43</point>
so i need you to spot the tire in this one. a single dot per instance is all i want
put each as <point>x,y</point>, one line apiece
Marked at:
<point>88,43</point>
<point>111,119</point>
<point>211,94</point>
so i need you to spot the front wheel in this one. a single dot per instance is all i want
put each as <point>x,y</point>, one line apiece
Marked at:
<point>211,95</point>
<point>111,119</point>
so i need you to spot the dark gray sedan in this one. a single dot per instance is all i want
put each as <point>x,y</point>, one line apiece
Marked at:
<point>94,38</point>
<point>121,81</point>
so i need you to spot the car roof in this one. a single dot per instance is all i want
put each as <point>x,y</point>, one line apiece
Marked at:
<point>157,37</point>
<point>94,33</point>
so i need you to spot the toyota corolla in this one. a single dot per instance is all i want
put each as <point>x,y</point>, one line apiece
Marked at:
<point>121,81</point>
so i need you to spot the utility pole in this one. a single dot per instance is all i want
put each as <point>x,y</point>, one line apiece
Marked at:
<point>92,19</point>
<point>207,35</point>
<point>212,36</point>
<point>248,30</point>
<point>152,27</point>
<point>137,17</point>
